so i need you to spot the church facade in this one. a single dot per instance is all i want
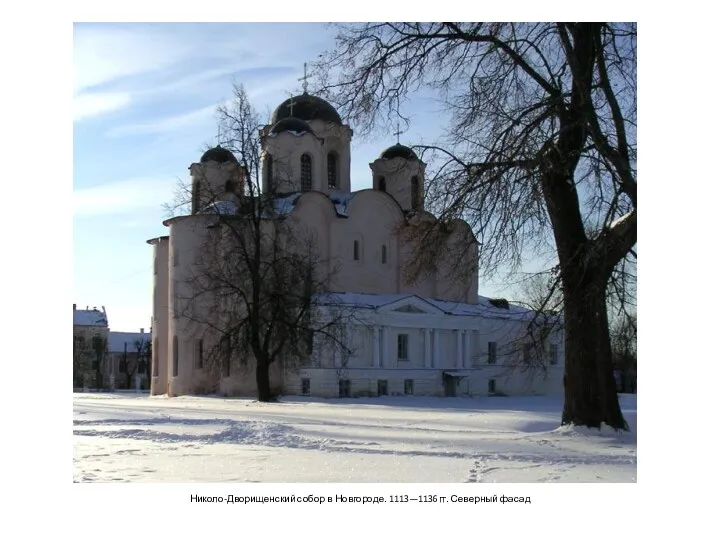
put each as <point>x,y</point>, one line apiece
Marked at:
<point>430,335</point>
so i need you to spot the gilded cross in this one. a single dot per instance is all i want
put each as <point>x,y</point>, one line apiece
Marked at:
<point>304,78</point>
<point>291,104</point>
<point>398,132</point>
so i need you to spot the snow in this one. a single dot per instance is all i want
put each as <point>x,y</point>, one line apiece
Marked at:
<point>222,208</point>
<point>341,201</point>
<point>89,317</point>
<point>137,438</point>
<point>117,341</point>
<point>482,308</point>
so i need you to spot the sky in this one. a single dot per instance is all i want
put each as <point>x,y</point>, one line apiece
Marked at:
<point>144,100</point>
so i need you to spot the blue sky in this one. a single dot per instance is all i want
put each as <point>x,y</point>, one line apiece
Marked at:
<point>144,106</point>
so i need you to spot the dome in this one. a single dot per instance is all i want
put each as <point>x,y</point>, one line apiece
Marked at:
<point>398,150</point>
<point>306,107</point>
<point>291,124</point>
<point>219,154</point>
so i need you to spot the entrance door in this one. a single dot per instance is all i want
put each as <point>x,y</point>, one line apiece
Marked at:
<point>450,386</point>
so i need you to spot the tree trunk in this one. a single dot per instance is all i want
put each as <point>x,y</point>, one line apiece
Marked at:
<point>590,390</point>
<point>262,377</point>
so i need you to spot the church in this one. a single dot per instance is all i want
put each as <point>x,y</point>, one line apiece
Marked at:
<point>431,335</point>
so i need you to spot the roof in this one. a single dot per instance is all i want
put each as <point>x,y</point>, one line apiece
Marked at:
<point>118,340</point>
<point>306,107</point>
<point>89,317</point>
<point>484,308</point>
<point>218,154</point>
<point>296,126</point>
<point>399,150</point>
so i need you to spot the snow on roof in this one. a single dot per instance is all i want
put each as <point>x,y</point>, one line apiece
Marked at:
<point>284,205</point>
<point>89,317</point>
<point>118,340</point>
<point>341,201</point>
<point>222,207</point>
<point>374,301</point>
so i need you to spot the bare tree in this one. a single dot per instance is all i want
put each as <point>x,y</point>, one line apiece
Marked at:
<point>540,156</point>
<point>259,290</point>
<point>623,334</point>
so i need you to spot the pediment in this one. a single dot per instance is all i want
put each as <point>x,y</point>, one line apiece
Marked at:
<point>409,309</point>
<point>413,305</point>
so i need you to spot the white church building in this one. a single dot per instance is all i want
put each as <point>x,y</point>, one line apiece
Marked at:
<point>430,336</point>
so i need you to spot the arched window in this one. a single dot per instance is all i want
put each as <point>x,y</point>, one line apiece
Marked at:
<point>381,184</point>
<point>305,173</point>
<point>229,186</point>
<point>269,172</point>
<point>384,254</point>
<point>356,250</point>
<point>415,193</point>
<point>175,356</point>
<point>332,170</point>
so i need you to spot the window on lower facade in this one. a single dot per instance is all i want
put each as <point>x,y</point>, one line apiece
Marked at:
<point>199,354</point>
<point>527,352</point>
<point>402,344</point>
<point>384,254</point>
<point>176,355</point>
<point>492,352</point>
<point>356,250</point>
<point>382,388</point>
<point>344,389</point>
<point>409,386</point>
<point>491,386</point>
<point>554,353</point>
<point>305,383</point>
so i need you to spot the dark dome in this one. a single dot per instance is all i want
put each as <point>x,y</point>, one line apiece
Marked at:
<point>291,124</point>
<point>398,150</point>
<point>306,107</point>
<point>219,154</point>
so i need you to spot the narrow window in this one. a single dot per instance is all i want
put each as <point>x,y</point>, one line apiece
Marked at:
<point>155,265</point>
<point>156,361</point>
<point>332,170</point>
<point>176,354</point>
<point>305,173</point>
<point>176,256</point>
<point>553,354</point>
<point>491,386</point>
<point>226,366</point>
<point>402,346</point>
<point>356,250</point>
<point>381,184</point>
<point>199,354</point>
<point>527,352</point>
<point>415,193</point>
<point>384,254</point>
<point>305,386</point>
<point>269,172</point>
<point>229,186</point>
<point>492,352</point>
<point>409,386</point>
<point>344,389</point>
<point>382,388</point>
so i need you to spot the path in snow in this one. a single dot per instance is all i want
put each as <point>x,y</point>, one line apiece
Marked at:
<point>398,439</point>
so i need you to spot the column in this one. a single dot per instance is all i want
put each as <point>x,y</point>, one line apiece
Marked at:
<point>428,358</point>
<point>376,347</point>
<point>436,348</point>
<point>386,362</point>
<point>458,349</point>
<point>466,348</point>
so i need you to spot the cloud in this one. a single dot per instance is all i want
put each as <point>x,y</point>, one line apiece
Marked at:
<point>87,105</point>
<point>124,197</point>
<point>204,115</point>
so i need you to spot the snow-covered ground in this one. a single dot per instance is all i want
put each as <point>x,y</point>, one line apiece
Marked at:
<point>136,438</point>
